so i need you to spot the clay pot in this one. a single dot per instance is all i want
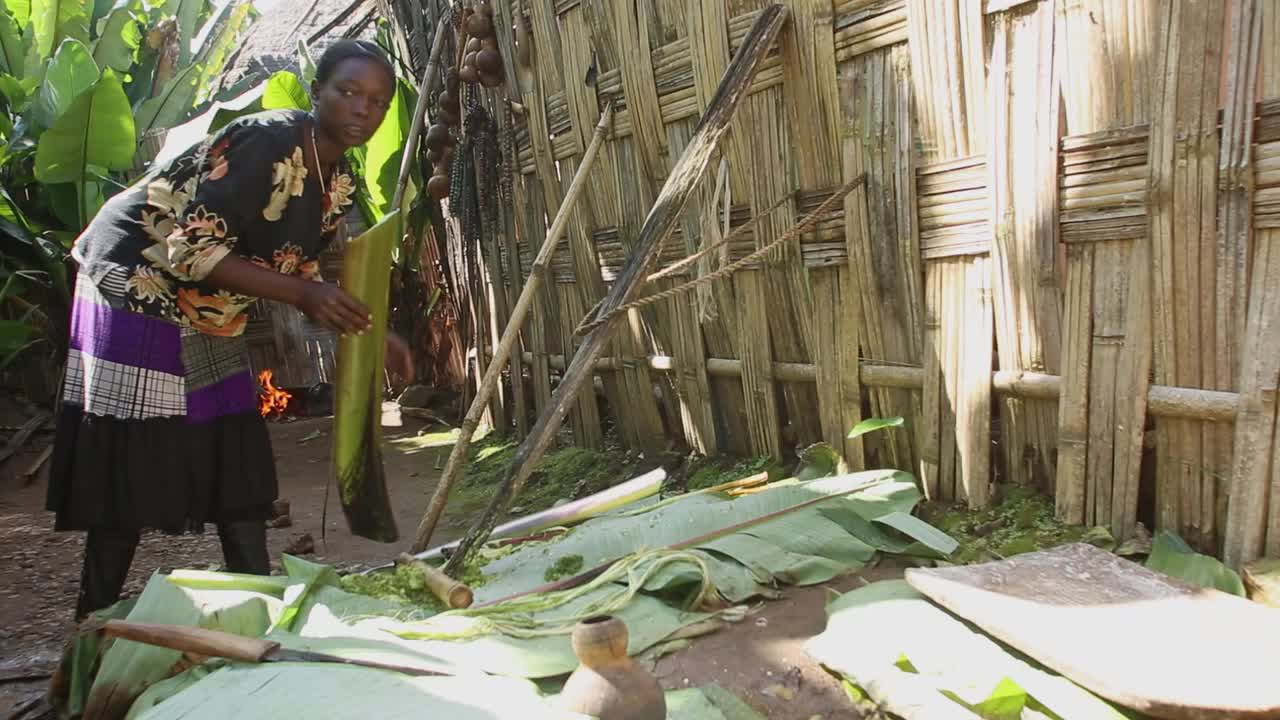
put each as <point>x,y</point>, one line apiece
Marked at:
<point>608,684</point>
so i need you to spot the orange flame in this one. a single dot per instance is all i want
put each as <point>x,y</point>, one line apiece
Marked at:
<point>271,399</point>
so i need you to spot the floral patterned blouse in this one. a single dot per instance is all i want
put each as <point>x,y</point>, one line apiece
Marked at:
<point>244,190</point>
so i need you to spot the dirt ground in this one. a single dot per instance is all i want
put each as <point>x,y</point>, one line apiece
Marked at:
<point>761,659</point>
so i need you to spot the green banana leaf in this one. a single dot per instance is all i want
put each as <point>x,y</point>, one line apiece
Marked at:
<point>710,702</point>
<point>97,129</point>
<point>285,92</point>
<point>70,73</point>
<point>53,21</point>
<point>320,690</point>
<point>799,547</point>
<point>357,451</point>
<point>13,51</point>
<point>306,63</point>
<point>223,37</point>
<point>20,10</point>
<point>119,38</point>
<point>1172,555</point>
<point>873,424</point>
<point>173,103</point>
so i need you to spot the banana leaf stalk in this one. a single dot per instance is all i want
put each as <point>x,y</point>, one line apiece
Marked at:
<point>366,274</point>
<point>357,423</point>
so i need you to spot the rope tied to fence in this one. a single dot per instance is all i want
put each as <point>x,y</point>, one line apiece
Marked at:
<point>591,322</point>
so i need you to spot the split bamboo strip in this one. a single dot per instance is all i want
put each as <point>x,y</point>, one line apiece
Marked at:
<point>880,235</point>
<point>946,43</point>
<point>1250,531</point>
<point>709,52</point>
<point>710,43</point>
<point>1184,158</point>
<point>1072,503</point>
<point>811,95</point>
<point>1022,160</point>
<point>1235,191</point>
<point>641,425</point>
<point>788,296</point>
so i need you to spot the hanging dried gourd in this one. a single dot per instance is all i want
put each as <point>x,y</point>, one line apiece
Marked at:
<point>480,24</point>
<point>438,185</point>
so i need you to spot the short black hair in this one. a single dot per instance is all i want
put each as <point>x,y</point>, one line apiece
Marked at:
<point>347,49</point>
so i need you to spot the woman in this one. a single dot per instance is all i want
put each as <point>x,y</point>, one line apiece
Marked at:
<point>159,426</point>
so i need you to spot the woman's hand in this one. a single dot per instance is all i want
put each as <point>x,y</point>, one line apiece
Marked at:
<point>331,306</point>
<point>399,359</point>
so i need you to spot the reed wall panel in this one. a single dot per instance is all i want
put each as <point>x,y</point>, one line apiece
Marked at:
<point>1065,226</point>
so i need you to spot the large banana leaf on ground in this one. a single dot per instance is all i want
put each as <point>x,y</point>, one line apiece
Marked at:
<point>357,448</point>
<point>807,546</point>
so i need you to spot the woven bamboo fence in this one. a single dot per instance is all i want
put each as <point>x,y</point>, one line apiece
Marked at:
<point>1063,269</point>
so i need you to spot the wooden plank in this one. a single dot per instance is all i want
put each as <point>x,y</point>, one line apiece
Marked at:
<point>1122,631</point>
<point>659,224</point>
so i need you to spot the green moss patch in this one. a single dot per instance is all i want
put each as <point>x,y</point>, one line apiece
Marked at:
<point>709,472</point>
<point>567,566</point>
<point>1022,521</point>
<point>567,473</point>
<point>403,584</point>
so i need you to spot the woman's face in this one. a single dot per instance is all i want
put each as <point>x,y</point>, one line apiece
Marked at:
<point>352,101</point>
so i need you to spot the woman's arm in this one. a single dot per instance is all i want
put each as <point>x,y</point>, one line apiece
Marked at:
<point>325,304</point>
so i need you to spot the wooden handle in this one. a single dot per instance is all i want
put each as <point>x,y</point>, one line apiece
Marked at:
<point>198,641</point>
<point>451,592</point>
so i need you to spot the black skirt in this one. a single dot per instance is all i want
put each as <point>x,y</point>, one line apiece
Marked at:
<point>158,426</point>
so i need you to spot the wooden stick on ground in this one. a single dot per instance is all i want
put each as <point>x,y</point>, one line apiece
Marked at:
<point>492,375</point>
<point>662,219</point>
<point>18,439</point>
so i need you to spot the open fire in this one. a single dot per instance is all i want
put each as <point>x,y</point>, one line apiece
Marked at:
<point>271,399</point>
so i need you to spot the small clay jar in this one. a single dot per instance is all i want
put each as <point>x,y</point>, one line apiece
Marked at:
<point>608,684</point>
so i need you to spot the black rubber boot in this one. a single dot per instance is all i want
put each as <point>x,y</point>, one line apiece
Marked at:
<point>107,557</point>
<point>244,547</point>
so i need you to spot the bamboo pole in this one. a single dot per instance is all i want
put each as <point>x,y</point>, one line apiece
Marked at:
<point>661,221</point>
<point>537,273</point>
<point>419,113</point>
<point>1163,401</point>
